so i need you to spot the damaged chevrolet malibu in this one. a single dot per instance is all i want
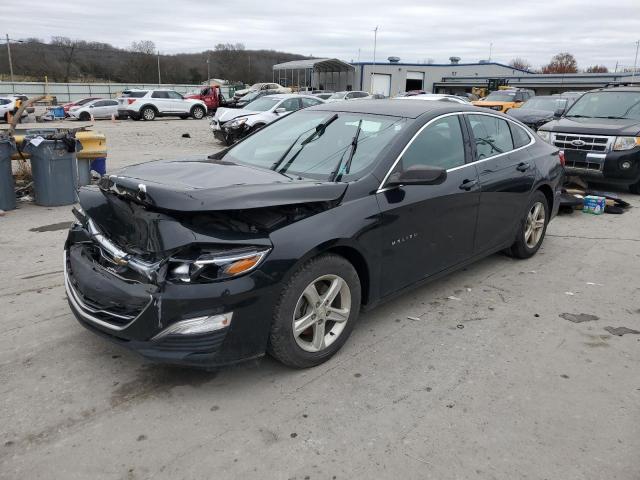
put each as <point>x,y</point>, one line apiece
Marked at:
<point>276,244</point>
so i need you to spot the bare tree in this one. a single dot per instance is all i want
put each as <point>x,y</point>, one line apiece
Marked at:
<point>520,63</point>
<point>68,48</point>
<point>561,63</point>
<point>597,69</point>
<point>143,46</point>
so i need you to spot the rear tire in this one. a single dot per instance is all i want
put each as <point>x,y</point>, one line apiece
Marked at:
<point>316,312</point>
<point>532,228</point>
<point>148,113</point>
<point>198,112</point>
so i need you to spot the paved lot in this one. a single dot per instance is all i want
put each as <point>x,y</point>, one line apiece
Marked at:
<point>485,380</point>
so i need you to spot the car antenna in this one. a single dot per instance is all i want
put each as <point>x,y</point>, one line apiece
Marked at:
<point>335,175</point>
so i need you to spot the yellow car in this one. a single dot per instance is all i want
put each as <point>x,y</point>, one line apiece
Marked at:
<point>504,100</point>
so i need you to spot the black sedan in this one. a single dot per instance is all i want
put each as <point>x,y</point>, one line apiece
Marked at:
<point>276,243</point>
<point>539,110</point>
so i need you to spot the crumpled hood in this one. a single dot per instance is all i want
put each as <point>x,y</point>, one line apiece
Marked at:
<point>212,185</point>
<point>226,114</point>
<point>530,115</point>
<point>595,126</point>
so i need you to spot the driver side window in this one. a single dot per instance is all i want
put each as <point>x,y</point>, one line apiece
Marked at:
<point>440,145</point>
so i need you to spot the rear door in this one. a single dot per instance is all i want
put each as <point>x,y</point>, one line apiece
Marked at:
<point>506,174</point>
<point>429,228</point>
<point>161,101</point>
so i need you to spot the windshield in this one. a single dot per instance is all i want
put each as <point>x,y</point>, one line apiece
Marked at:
<point>500,97</point>
<point>249,97</point>
<point>541,103</point>
<point>607,104</point>
<point>296,147</point>
<point>4,101</point>
<point>338,95</point>
<point>262,104</point>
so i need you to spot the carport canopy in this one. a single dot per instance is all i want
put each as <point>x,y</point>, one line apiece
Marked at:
<point>329,73</point>
<point>316,64</point>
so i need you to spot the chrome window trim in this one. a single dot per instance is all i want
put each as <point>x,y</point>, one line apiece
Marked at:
<point>532,139</point>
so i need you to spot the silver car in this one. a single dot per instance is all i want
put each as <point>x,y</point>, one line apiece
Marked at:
<point>231,124</point>
<point>352,95</point>
<point>101,108</point>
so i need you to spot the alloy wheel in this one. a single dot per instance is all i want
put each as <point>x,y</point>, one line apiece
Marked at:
<point>148,114</point>
<point>321,313</point>
<point>534,226</point>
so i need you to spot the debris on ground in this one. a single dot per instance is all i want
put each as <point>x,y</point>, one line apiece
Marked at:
<point>2,213</point>
<point>579,317</point>
<point>452,297</point>
<point>577,196</point>
<point>569,293</point>
<point>620,331</point>
<point>186,135</point>
<point>415,319</point>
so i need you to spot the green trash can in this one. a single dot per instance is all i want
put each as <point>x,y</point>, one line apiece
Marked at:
<point>54,168</point>
<point>7,185</point>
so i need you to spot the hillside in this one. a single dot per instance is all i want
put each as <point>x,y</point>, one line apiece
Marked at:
<point>64,60</point>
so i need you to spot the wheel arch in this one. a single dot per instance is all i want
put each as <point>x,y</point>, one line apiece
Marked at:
<point>146,105</point>
<point>548,193</point>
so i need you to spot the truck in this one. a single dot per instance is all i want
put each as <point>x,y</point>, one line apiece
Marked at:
<point>211,96</point>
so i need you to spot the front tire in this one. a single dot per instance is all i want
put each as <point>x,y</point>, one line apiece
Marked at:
<point>198,112</point>
<point>148,113</point>
<point>316,312</point>
<point>532,228</point>
<point>84,116</point>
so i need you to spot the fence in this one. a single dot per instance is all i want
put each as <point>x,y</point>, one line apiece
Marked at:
<point>68,92</point>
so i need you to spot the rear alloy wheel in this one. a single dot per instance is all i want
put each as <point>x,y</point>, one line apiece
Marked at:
<point>198,112</point>
<point>148,113</point>
<point>533,228</point>
<point>316,312</point>
<point>84,116</point>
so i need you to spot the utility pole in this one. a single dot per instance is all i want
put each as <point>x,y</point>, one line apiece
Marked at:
<point>635,61</point>
<point>375,44</point>
<point>159,79</point>
<point>490,50</point>
<point>9,55</point>
<point>208,74</point>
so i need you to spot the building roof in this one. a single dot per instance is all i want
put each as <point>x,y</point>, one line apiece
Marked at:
<point>317,64</point>
<point>478,64</point>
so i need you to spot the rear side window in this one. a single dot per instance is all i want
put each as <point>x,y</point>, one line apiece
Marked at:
<point>160,94</point>
<point>137,94</point>
<point>520,137</point>
<point>439,145</point>
<point>492,135</point>
<point>174,95</point>
<point>309,102</point>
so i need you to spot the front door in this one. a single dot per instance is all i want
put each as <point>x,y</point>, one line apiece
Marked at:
<point>506,174</point>
<point>428,228</point>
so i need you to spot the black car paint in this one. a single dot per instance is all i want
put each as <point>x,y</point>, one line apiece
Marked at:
<point>532,118</point>
<point>396,238</point>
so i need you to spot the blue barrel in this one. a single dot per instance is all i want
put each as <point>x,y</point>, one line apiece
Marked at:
<point>99,165</point>
<point>7,185</point>
<point>58,112</point>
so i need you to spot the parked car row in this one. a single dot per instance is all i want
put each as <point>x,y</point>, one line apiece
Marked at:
<point>9,105</point>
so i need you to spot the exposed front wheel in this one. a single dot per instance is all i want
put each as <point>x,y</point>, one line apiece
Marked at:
<point>316,312</point>
<point>532,228</point>
<point>84,116</point>
<point>148,113</point>
<point>198,112</point>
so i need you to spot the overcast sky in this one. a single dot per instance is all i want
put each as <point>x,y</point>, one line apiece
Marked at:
<point>596,32</point>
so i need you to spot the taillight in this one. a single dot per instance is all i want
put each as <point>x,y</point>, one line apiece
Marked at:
<point>131,100</point>
<point>561,157</point>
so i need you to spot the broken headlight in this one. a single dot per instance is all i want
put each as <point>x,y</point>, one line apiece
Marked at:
<point>218,265</point>
<point>238,122</point>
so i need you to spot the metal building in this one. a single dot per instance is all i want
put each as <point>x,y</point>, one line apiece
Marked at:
<point>316,73</point>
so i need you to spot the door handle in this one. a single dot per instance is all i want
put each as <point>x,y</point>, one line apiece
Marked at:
<point>468,184</point>
<point>523,166</point>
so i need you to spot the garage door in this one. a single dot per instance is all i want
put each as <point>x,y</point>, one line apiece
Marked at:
<point>381,84</point>
<point>415,81</point>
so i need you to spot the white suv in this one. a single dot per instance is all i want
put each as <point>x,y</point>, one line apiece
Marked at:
<point>149,104</point>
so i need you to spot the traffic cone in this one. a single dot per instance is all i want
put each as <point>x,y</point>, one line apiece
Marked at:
<point>92,119</point>
<point>113,118</point>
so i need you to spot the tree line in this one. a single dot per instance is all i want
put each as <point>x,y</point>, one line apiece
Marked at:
<point>67,60</point>
<point>563,62</point>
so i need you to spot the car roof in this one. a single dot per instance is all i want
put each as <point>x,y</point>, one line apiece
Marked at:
<point>396,109</point>
<point>282,96</point>
<point>627,88</point>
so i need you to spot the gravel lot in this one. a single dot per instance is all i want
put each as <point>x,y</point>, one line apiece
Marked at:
<point>474,376</point>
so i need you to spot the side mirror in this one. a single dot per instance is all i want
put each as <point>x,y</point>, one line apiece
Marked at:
<point>418,175</point>
<point>280,110</point>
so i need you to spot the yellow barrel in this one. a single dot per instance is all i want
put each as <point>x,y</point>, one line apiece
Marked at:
<point>94,145</point>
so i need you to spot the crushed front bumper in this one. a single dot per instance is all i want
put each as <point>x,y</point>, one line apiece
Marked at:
<point>133,312</point>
